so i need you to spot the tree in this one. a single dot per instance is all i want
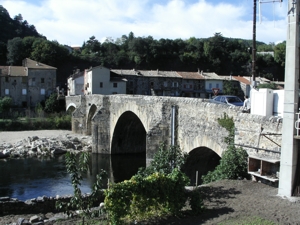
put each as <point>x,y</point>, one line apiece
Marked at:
<point>279,53</point>
<point>268,85</point>
<point>5,104</point>
<point>52,104</point>
<point>14,49</point>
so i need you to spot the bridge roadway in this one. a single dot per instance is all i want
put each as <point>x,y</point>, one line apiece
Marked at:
<point>133,123</point>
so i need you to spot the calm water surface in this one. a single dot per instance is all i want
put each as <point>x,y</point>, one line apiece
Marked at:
<point>32,177</point>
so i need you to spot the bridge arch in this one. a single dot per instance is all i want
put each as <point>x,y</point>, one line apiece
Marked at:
<point>191,143</point>
<point>201,160</point>
<point>91,112</point>
<point>71,107</point>
<point>129,135</point>
<point>143,117</point>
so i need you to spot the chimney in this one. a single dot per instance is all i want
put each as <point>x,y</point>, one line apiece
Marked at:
<point>157,71</point>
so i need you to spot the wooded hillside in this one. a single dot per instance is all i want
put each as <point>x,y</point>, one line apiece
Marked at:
<point>225,56</point>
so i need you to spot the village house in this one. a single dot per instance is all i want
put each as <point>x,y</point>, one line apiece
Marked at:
<point>101,80</point>
<point>76,83</point>
<point>28,84</point>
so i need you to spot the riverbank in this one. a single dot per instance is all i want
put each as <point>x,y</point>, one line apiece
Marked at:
<point>12,137</point>
<point>226,201</point>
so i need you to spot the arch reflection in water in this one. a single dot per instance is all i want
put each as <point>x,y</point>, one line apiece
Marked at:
<point>32,177</point>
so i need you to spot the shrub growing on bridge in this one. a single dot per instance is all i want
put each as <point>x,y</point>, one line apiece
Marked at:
<point>233,163</point>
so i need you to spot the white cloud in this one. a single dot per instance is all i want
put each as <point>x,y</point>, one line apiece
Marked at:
<point>73,21</point>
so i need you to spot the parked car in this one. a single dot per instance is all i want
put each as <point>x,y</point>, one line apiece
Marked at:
<point>228,100</point>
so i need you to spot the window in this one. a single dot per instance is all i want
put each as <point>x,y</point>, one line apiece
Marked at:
<point>101,84</point>
<point>33,81</point>
<point>24,80</point>
<point>115,85</point>
<point>152,84</point>
<point>114,93</point>
<point>6,79</point>
<point>24,91</point>
<point>165,84</point>
<point>131,83</point>
<point>217,85</point>
<point>42,91</point>
<point>42,80</point>
<point>175,84</point>
<point>191,86</point>
<point>210,85</point>
<point>6,91</point>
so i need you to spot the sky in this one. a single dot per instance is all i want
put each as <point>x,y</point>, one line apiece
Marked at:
<point>72,22</point>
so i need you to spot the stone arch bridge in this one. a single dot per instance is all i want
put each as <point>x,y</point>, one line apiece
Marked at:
<point>132,124</point>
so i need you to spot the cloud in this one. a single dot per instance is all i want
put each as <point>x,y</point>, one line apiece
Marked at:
<point>73,21</point>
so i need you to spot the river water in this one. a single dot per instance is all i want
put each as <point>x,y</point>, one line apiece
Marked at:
<point>32,177</point>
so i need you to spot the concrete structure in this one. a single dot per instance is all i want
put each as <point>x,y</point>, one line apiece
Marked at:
<point>289,183</point>
<point>100,80</point>
<point>131,124</point>
<point>28,84</point>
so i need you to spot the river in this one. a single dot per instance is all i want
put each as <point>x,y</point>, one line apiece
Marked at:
<point>32,177</point>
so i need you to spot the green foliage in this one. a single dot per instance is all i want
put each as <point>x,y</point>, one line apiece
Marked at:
<point>166,159</point>
<point>52,104</point>
<point>142,197</point>
<point>268,85</point>
<point>78,201</point>
<point>54,121</point>
<point>279,53</point>
<point>230,88</point>
<point>155,191</point>
<point>5,104</point>
<point>233,163</point>
<point>196,202</point>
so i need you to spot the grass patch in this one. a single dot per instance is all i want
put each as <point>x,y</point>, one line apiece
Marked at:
<point>248,221</point>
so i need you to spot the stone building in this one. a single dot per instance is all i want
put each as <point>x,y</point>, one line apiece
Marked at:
<point>28,84</point>
<point>76,83</point>
<point>101,80</point>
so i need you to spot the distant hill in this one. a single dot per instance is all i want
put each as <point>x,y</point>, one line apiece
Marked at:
<point>11,28</point>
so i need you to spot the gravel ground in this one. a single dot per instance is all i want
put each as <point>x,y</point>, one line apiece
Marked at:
<point>226,201</point>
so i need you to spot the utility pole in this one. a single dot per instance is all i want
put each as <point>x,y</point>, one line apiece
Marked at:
<point>254,44</point>
<point>254,37</point>
<point>289,182</point>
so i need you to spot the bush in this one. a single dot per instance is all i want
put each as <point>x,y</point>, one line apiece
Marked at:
<point>165,160</point>
<point>233,163</point>
<point>155,191</point>
<point>55,121</point>
<point>78,201</point>
<point>145,197</point>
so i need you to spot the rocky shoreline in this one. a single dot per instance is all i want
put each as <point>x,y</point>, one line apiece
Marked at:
<point>34,146</point>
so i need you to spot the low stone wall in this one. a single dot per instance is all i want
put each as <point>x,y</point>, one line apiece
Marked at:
<point>43,204</point>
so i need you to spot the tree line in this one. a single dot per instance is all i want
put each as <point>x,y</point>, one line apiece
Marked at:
<point>223,55</point>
